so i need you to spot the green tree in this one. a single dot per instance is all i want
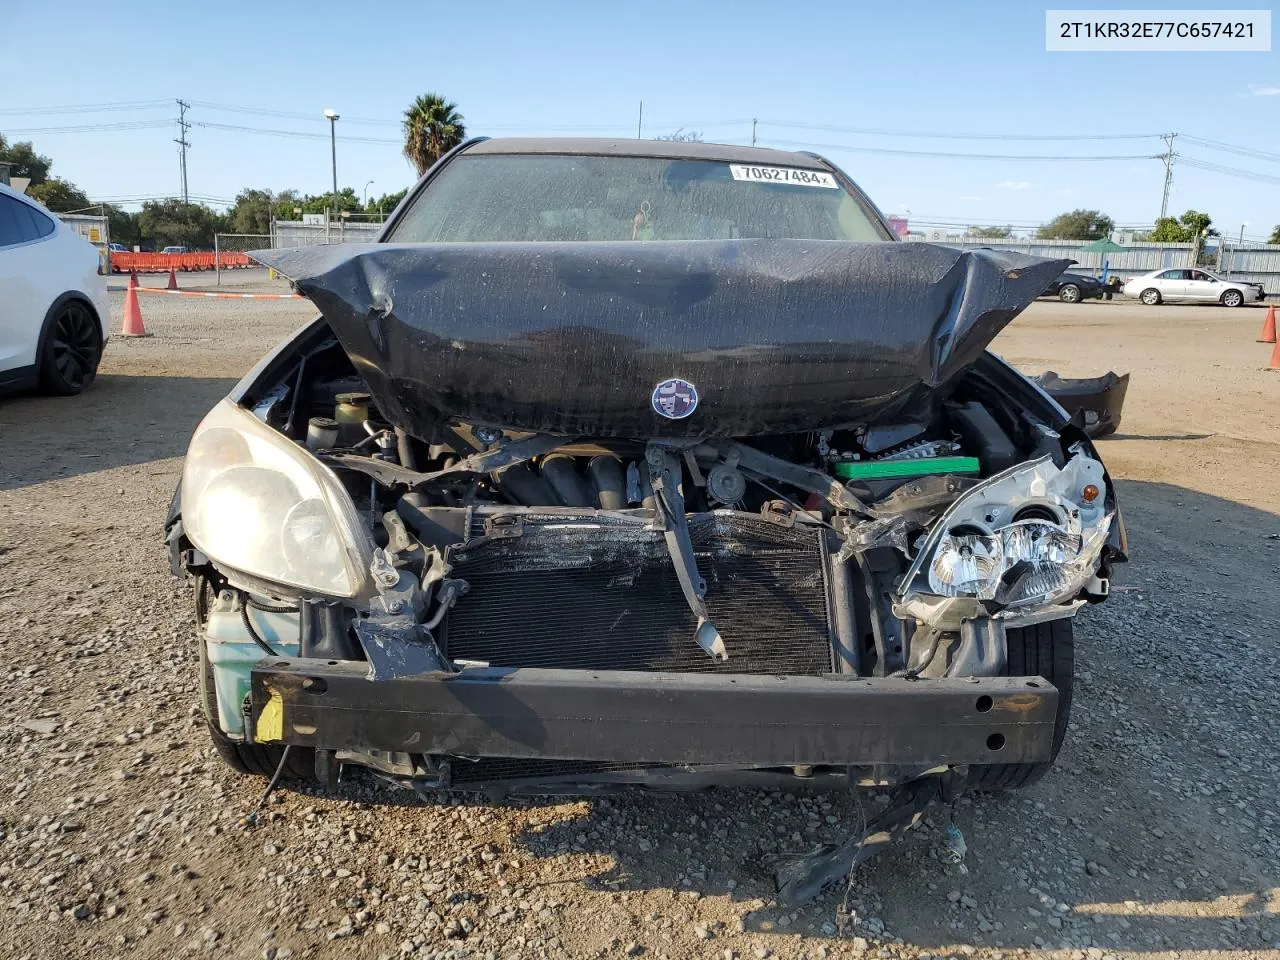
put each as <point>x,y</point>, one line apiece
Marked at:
<point>168,222</point>
<point>24,161</point>
<point>60,196</point>
<point>1184,229</point>
<point>991,233</point>
<point>1275,235</point>
<point>386,203</point>
<point>1077,225</point>
<point>122,225</point>
<point>432,127</point>
<point>347,200</point>
<point>251,213</point>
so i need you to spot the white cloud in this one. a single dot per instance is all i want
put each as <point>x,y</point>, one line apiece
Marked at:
<point>1258,91</point>
<point>1013,185</point>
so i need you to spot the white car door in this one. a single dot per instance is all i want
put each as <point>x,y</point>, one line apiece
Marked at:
<point>1202,286</point>
<point>1172,284</point>
<point>25,271</point>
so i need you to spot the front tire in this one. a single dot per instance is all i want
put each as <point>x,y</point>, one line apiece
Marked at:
<point>1069,293</point>
<point>1151,297</point>
<point>71,350</point>
<point>1046,650</point>
<point>1232,298</point>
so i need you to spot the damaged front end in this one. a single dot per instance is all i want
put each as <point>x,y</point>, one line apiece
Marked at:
<point>587,515</point>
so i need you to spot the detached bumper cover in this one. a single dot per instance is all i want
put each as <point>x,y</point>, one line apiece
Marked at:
<point>659,718</point>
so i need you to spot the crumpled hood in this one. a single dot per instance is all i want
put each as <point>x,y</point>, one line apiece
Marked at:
<point>774,336</point>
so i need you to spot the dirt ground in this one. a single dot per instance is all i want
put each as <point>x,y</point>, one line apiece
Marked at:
<point>122,835</point>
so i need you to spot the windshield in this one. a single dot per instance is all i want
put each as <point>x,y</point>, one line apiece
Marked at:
<point>545,197</point>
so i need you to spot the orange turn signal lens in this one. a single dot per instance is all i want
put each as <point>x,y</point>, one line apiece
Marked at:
<point>1090,492</point>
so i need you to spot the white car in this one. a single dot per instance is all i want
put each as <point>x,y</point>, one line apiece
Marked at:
<point>53,302</point>
<point>1190,284</point>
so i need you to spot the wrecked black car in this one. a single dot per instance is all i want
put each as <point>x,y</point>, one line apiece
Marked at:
<point>644,463</point>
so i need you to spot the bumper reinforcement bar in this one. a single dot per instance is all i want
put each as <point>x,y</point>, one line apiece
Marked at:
<point>660,718</point>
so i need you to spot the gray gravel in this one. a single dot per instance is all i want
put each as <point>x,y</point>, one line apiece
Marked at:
<point>121,834</point>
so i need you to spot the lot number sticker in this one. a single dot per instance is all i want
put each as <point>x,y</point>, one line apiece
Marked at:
<point>801,178</point>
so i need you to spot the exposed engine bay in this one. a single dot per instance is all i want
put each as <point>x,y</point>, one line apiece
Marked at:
<point>447,484</point>
<point>897,549</point>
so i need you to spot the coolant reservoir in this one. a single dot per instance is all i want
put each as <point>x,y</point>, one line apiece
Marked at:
<point>351,411</point>
<point>232,653</point>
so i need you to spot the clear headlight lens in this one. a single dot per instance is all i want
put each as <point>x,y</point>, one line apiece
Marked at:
<point>966,565</point>
<point>1054,568</point>
<point>256,502</point>
<point>1038,542</point>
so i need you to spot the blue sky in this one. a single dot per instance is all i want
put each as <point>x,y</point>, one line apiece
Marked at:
<point>552,68</point>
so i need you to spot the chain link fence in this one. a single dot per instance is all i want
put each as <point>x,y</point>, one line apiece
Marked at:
<point>230,250</point>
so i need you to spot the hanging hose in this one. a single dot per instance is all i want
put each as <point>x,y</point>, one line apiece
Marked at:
<point>248,625</point>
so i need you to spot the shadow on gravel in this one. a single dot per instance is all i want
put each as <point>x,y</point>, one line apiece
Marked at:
<point>119,421</point>
<point>1155,832</point>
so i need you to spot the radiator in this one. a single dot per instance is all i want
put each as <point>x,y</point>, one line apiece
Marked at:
<point>591,592</point>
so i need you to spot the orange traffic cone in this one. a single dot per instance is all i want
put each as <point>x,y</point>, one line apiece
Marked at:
<point>1268,334</point>
<point>132,315</point>
<point>1275,358</point>
<point>133,278</point>
<point>173,280</point>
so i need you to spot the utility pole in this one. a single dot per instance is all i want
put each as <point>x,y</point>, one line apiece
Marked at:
<point>753,131</point>
<point>640,121</point>
<point>332,117</point>
<point>1168,173</point>
<point>183,127</point>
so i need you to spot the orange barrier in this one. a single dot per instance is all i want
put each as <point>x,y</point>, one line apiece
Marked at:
<point>122,261</point>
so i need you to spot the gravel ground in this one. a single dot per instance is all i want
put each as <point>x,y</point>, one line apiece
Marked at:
<point>121,834</point>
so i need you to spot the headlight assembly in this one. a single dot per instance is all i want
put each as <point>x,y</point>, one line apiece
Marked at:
<point>259,503</point>
<point>1030,536</point>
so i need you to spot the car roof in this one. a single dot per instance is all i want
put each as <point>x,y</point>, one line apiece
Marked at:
<point>664,149</point>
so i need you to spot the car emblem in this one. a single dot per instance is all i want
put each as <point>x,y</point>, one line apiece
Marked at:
<point>675,399</point>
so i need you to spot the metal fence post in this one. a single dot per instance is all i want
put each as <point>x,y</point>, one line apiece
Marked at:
<point>217,262</point>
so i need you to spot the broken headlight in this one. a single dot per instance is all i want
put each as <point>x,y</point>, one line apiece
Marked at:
<point>1032,535</point>
<point>260,504</point>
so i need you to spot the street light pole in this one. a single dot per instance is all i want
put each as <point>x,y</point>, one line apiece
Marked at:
<point>332,116</point>
<point>364,202</point>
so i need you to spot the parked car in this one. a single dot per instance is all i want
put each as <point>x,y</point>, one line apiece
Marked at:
<point>117,248</point>
<point>616,464</point>
<point>1074,287</point>
<point>1191,284</point>
<point>175,249</point>
<point>53,302</point>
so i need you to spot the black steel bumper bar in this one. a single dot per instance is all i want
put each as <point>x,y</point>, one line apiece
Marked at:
<point>660,718</point>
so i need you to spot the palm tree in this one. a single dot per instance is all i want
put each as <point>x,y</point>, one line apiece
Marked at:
<point>432,127</point>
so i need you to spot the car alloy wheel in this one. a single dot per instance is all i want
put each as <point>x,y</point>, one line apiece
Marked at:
<point>1151,297</point>
<point>1069,293</point>
<point>1232,298</point>
<point>74,350</point>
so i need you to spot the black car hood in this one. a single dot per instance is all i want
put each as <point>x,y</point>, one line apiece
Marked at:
<point>773,336</point>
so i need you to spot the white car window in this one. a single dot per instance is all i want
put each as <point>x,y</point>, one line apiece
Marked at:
<point>20,223</point>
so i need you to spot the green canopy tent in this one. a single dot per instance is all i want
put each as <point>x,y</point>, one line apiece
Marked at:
<point>1103,245</point>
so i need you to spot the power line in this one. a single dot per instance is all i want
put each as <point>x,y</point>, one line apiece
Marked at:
<point>286,114</point>
<point>93,127</point>
<point>85,108</point>
<point>1233,148</point>
<point>1212,167</point>
<point>297,134</point>
<point>960,136</point>
<point>958,156</point>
